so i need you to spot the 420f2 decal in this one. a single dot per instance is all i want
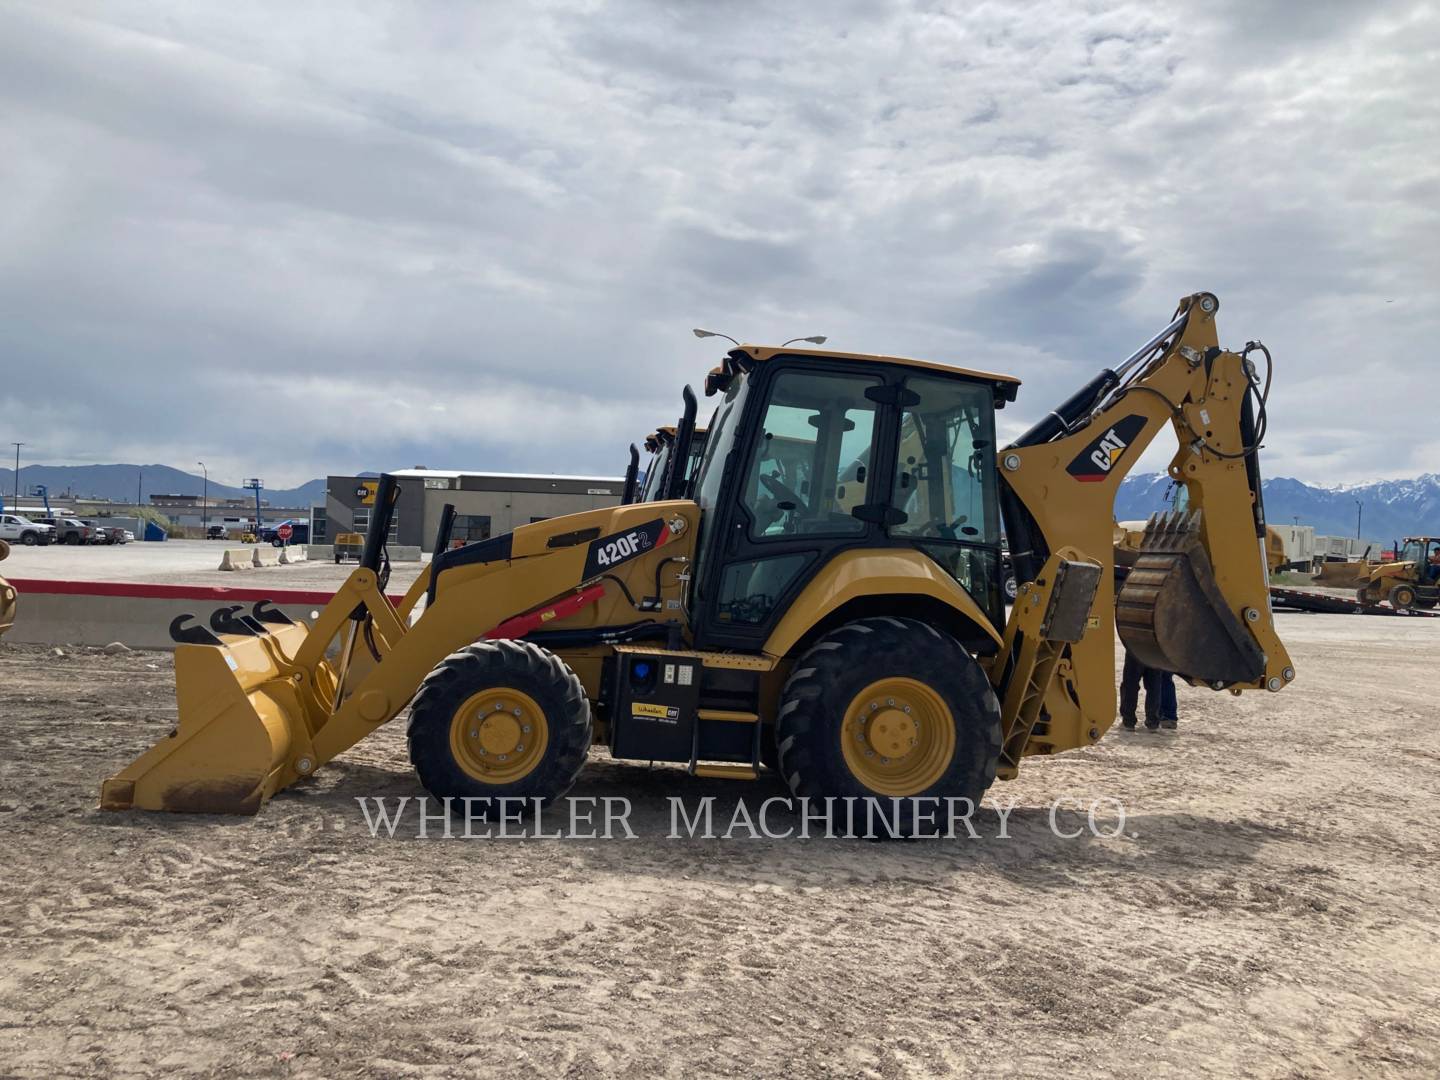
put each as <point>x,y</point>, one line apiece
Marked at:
<point>610,551</point>
<point>1103,452</point>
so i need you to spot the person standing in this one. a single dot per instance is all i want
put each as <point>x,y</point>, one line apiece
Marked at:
<point>1160,703</point>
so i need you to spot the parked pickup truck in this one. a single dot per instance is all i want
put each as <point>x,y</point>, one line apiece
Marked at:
<point>69,530</point>
<point>22,530</point>
<point>106,534</point>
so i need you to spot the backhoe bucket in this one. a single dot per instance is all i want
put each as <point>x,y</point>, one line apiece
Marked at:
<point>242,727</point>
<point>1171,614</point>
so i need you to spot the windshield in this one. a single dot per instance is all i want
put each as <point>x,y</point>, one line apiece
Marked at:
<point>1414,551</point>
<point>654,473</point>
<point>719,440</point>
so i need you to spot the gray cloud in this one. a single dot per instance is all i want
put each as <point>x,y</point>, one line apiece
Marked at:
<point>478,236</point>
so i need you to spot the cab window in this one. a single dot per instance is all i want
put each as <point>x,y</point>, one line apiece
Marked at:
<point>944,484</point>
<point>811,463</point>
<point>944,476</point>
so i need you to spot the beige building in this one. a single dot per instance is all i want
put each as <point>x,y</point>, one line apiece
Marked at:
<point>486,504</point>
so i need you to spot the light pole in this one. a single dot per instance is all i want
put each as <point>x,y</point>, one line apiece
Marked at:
<point>714,333</point>
<point>205,500</point>
<point>17,475</point>
<point>818,339</point>
<point>1359,515</point>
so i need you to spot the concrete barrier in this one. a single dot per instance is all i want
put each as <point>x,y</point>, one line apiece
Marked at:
<point>320,552</point>
<point>293,554</point>
<point>404,552</point>
<point>265,555</point>
<point>236,559</point>
<point>137,615</point>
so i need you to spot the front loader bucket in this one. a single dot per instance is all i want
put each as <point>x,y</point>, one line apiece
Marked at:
<point>1171,614</point>
<point>242,727</point>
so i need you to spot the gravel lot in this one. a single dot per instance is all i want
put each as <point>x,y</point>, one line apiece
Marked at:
<point>1269,909</point>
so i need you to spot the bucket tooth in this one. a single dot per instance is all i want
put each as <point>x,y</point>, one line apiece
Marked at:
<point>224,620</point>
<point>1171,613</point>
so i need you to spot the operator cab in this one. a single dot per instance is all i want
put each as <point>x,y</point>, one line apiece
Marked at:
<point>1419,550</point>
<point>811,454</point>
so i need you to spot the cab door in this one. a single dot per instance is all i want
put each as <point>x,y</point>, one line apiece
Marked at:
<point>804,482</point>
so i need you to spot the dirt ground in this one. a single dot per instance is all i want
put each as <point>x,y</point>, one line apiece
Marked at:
<point>1270,909</point>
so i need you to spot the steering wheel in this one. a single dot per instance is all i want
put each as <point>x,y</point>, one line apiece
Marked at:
<point>780,490</point>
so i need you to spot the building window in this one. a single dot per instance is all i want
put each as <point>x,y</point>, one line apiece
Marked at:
<point>469,528</point>
<point>361,524</point>
<point>438,483</point>
<point>319,525</point>
<point>535,520</point>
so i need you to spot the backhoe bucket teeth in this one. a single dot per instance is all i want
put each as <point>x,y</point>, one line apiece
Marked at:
<point>1171,614</point>
<point>242,728</point>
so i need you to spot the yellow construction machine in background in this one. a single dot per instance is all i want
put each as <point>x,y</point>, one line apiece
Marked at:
<point>1408,582</point>
<point>828,599</point>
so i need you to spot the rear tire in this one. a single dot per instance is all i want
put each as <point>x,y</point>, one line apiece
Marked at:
<point>500,719</point>
<point>943,717</point>
<point>1402,597</point>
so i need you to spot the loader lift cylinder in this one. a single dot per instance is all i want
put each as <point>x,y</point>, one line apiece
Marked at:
<point>447,525</point>
<point>386,493</point>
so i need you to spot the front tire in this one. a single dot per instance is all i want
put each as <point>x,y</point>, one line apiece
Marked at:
<point>500,719</point>
<point>29,539</point>
<point>886,708</point>
<point>1402,597</point>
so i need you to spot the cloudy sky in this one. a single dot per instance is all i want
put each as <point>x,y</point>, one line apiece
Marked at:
<point>386,234</point>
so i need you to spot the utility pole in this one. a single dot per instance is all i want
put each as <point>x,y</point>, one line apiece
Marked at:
<point>17,474</point>
<point>1359,515</point>
<point>139,480</point>
<point>205,501</point>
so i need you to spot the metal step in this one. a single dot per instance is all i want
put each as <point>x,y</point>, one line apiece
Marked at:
<point>724,772</point>
<point>728,715</point>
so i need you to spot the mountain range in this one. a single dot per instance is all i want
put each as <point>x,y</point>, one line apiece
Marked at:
<point>118,483</point>
<point>1382,510</point>
<point>1387,509</point>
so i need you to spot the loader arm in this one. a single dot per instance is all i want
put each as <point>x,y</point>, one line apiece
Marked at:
<point>260,710</point>
<point>1197,601</point>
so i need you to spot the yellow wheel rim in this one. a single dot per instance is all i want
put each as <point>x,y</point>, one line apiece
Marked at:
<point>898,738</point>
<point>498,736</point>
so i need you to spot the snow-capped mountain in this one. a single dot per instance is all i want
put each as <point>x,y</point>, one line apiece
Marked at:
<point>1386,509</point>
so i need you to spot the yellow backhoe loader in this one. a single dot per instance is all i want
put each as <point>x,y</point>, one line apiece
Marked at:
<point>1411,581</point>
<point>661,482</point>
<point>829,598</point>
<point>8,600</point>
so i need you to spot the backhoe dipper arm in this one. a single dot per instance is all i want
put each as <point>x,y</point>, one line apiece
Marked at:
<point>1197,601</point>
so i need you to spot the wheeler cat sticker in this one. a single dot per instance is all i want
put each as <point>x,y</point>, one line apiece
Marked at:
<point>1100,455</point>
<point>611,551</point>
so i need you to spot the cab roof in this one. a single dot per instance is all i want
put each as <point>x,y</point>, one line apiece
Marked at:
<point>1005,385</point>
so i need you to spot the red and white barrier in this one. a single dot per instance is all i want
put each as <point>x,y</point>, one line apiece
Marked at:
<point>136,615</point>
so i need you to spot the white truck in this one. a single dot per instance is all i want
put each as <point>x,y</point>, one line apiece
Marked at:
<point>22,530</point>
